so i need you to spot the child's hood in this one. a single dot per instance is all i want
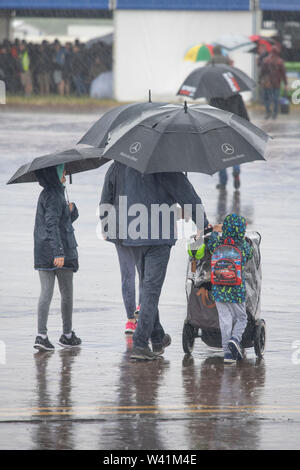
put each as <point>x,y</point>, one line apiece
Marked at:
<point>234,226</point>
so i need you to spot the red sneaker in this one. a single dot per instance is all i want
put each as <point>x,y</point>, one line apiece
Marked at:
<point>130,327</point>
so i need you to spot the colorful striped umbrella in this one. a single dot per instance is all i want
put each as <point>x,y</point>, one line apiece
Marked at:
<point>200,52</point>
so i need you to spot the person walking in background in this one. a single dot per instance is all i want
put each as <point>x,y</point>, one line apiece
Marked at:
<point>24,60</point>
<point>110,195</point>
<point>234,104</point>
<point>55,254</point>
<point>272,73</point>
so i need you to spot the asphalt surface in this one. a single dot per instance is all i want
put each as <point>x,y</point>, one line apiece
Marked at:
<point>96,397</point>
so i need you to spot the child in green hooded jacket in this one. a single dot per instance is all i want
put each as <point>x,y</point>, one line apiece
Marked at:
<point>230,300</point>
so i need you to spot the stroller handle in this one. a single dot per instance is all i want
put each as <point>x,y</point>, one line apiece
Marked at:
<point>208,230</point>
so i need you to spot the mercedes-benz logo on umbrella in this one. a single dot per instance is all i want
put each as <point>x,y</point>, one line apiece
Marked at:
<point>228,149</point>
<point>135,148</point>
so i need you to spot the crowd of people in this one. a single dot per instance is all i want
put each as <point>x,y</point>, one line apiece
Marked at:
<point>52,68</point>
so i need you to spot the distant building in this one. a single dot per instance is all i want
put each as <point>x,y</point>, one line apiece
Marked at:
<point>151,37</point>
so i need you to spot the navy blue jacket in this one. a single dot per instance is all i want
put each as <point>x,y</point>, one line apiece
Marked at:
<point>53,231</point>
<point>154,189</point>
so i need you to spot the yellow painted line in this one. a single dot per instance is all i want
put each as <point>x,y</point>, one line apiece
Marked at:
<point>153,411</point>
<point>142,407</point>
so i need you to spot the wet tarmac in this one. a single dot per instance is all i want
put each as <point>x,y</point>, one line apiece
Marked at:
<point>96,397</point>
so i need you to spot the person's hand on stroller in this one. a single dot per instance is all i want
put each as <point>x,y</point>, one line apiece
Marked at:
<point>201,233</point>
<point>218,228</point>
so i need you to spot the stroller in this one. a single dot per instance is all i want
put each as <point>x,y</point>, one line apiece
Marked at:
<point>202,316</point>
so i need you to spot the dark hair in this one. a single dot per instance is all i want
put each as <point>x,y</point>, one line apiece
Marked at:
<point>218,50</point>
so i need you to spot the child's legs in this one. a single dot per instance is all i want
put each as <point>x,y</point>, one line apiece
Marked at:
<point>239,316</point>
<point>65,282</point>
<point>47,279</point>
<point>225,321</point>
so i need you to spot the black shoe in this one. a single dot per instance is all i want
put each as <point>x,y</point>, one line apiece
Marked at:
<point>43,344</point>
<point>144,354</point>
<point>268,115</point>
<point>236,182</point>
<point>221,186</point>
<point>274,115</point>
<point>159,348</point>
<point>69,343</point>
<point>235,349</point>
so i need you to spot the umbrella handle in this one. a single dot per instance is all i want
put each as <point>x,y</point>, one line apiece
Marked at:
<point>67,195</point>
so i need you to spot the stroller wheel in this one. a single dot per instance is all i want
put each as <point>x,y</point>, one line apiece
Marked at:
<point>260,339</point>
<point>188,337</point>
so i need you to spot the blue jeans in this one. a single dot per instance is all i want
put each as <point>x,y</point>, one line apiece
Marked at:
<point>127,267</point>
<point>271,96</point>
<point>223,174</point>
<point>151,262</point>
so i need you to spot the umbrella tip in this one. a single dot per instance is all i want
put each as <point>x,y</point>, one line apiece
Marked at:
<point>185,107</point>
<point>150,100</point>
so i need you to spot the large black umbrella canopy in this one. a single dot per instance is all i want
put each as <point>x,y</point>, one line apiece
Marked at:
<point>75,160</point>
<point>186,138</point>
<point>215,81</point>
<point>97,135</point>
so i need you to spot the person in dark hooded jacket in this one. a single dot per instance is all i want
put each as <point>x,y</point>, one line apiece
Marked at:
<point>234,104</point>
<point>55,253</point>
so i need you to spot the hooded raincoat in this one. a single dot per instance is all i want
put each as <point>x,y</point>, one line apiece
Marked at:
<point>234,226</point>
<point>53,231</point>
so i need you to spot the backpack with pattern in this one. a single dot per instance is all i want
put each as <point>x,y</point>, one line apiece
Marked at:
<point>226,264</point>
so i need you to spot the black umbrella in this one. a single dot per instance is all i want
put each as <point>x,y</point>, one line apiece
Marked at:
<point>215,81</point>
<point>97,135</point>
<point>186,138</point>
<point>107,39</point>
<point>75,160</point>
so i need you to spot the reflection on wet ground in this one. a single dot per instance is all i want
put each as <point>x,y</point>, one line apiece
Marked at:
<point>96,397</point>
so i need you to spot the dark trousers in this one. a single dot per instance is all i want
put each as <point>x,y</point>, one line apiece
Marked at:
<point>223,174</point>
<point>151,262</point>
<point>271,96</point>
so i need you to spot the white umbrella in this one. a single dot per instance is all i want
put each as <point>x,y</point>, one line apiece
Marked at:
<point>233,42</point>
